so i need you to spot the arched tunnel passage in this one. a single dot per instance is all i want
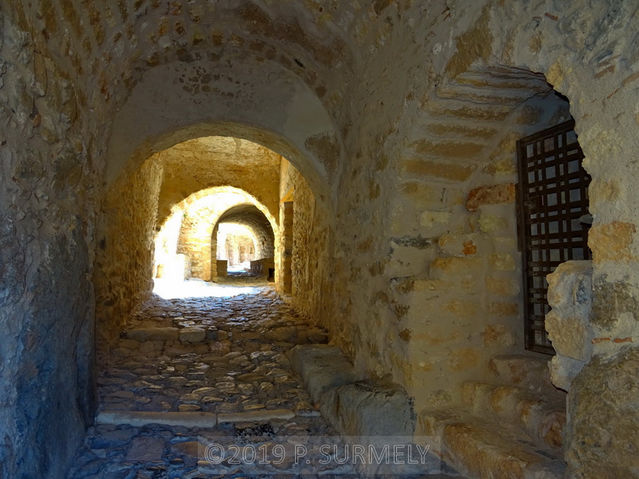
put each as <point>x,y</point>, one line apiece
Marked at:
<point>226,244</point>
<point>214,354</point>
<point>139,204</point>
<point>186,243</point>
<point>90,90</point>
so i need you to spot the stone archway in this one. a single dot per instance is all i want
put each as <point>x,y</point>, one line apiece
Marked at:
<point>365,72</point>
<point>194,233</point>
<point>264,238</point>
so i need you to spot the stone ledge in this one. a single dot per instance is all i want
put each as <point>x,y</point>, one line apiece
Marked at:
<point>142,418</point>
<point>190,418</point>
<point>351,404</point>
<point>263,415</point>
<point>321,368</point>
<point>480,448</point>
<point>367,409</point>
<point>542,416</point>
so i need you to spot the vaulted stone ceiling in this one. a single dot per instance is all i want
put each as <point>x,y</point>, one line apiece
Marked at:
<point>350,93</point>
<point>205,162</point>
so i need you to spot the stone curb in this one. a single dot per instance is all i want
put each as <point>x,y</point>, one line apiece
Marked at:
<point>189,419</point>
<point>354,405</point>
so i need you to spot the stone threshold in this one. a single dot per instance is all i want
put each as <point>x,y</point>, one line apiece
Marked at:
<point>191,418</point>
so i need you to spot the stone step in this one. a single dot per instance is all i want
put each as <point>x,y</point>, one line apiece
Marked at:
<point>193,335</point>
<point>543,418</point>
<point>322,367</point>
<point>454,149</point>
<point>485,94</point>
<point>190,419</point>
<point>504,79</point>
<point>462,129</point>
<point>450,108</point>
<point>482,448</point>
<point>526,371</point>
<point>354,406</point>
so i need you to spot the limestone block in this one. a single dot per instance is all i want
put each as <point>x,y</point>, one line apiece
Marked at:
<point>263,415</point>
<point>454,267</point>
<point>570,336</point>
<point>503,262</point>
<point>503,309</point>
<point>153,334</point>
<point>601,436</point>
<point>612,242</point>
<point>569,322</point>
<point>408,260</point>
<point>429,288</point>
<point>492,223</point>
<point>430,219</point>
<point>143,418</point>
<point>479,449</point>
<point>459,245</point>
<point>502,286</point>
<point>464,359</point>
<point>192,335</point>
<point>448,149</point>
<point>437,287</point>
<point>490,195</point>
<point>570,288</point>
<point>497,335</point>
<point>322,367</point>
<point>429,195</point>
<point>563,370</point>
<point>366,409</point>
<point>436,170</point>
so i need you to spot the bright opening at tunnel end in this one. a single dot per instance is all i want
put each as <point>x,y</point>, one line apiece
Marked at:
<point>194,288</point>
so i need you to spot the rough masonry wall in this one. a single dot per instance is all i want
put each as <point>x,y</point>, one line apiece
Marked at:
<point>206,162</point>
<point>124,261</point>
<point>259,226</point>
<point>456,275</point>
<point>310,261</point>
<point>48,193</point>
<point>342,90</point>
<point>584,54</point>
<point>198,230</point>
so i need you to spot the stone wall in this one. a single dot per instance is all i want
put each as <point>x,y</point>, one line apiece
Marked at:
<point>569,322</point>
<point>309,243</point>
<point>403,134</point>
<point>126,246</point>
<point>207,162</point>
<point>346,93</point>
<point>257,224</point>
<point>49,190</point>
<point>381,132</point>
<point>455,273</point>
<point>202,215</point>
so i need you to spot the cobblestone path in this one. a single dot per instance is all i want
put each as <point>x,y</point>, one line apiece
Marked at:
<point>221,359</point>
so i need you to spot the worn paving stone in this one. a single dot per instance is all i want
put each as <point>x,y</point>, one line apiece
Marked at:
<point>225,357</point>
<point>146,449</point>
<point>164,399</point>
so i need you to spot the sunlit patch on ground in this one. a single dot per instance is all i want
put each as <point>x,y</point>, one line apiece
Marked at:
<point>193,288</point>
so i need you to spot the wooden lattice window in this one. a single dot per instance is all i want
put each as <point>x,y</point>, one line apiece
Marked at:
<point>553,218</point>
